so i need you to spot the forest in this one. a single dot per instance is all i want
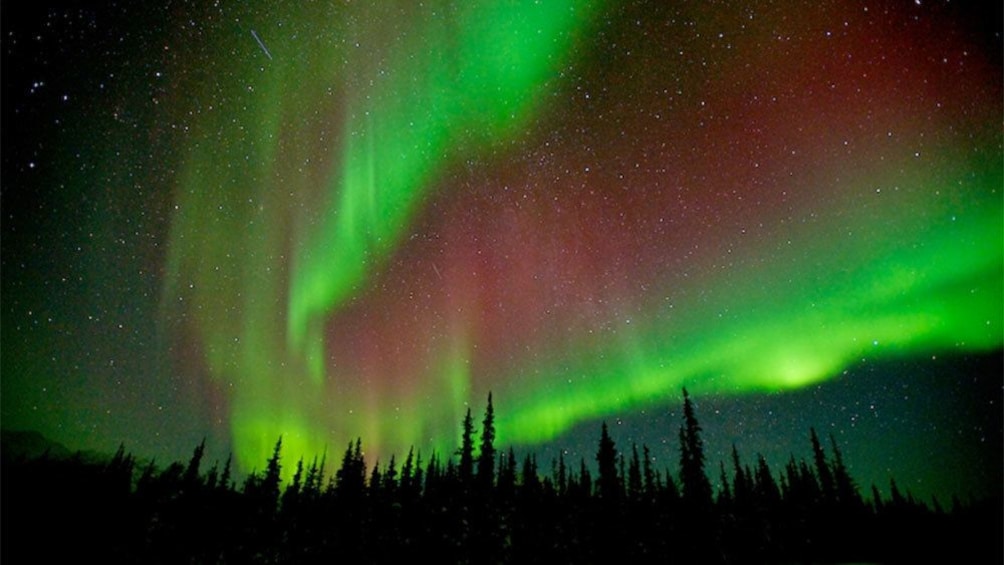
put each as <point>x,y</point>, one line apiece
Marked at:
<point>482,505</point>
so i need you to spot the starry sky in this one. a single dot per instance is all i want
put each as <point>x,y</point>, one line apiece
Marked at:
<point>331,220</point>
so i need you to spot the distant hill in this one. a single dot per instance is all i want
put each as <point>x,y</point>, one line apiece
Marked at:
<point>30,444</point>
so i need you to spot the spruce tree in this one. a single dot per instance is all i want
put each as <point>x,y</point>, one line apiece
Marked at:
<point>608,483</point>
<point>350,479</point>
<point>766,488</point>
<point>876,499</point>
<point>822,468</point>
<point>507,476</point>
<point>407,474</point>
<point>224,482</point>
<point>390,483</point>
<point>465,470</point>
<point>648,472</point>
<point>741,481</point>
<point>634,483</point>
<point>561,480</point>
<point>270,482</point>
<point>725,493</point>
<point>191,477</point>
<point>585,479</point>
<point>375,482</point>
<point>530,479</point>
<point>694,482</point>
<point>486,455</point>
<point>312,483</point>
<point>291,495</point>
<point>846,490</point>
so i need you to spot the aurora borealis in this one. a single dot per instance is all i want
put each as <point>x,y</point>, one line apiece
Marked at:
<point>337,220</point>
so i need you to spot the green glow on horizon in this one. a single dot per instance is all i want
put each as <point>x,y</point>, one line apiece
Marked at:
<point>920,284</point>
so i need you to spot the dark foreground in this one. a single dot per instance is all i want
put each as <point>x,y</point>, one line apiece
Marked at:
<point>478,508</point>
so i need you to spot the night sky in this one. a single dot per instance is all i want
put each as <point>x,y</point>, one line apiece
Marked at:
<point>336,219</point>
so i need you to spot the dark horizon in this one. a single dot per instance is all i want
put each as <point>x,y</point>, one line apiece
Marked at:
<point>479,506</point>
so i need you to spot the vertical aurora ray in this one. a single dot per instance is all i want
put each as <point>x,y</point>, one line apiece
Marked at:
<point>462,82</point>
<point>252,231</point>
<point>404,208</point>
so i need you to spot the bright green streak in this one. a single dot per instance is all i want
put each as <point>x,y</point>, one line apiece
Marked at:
<point>302,173</point>
<point>914,276</point>
<point>457,86</point>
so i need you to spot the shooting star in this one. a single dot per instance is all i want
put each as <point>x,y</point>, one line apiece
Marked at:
<point>261,44</point>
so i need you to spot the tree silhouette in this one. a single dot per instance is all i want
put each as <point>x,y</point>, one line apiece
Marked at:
<point>822,468</point>
<point>767,491</point>
<point>486,454</point>
<point>845,488</point>
<point>507,475</point>
<point>350,479</point>
<point>273,476</point>
<point>561,475</point>
<point>376,481</point>
<point>608,483</point>
<point>191,477</point>
<point>725,491</point>
<point>634,481</point>
<point>465,469</point>
<point>876,499</point>
<point>648,473</point>
<point>389,485</point>
<point>180,515</point>
<point>696,488</point>
<point>291,496</point>
<point>585,479</point>
<point>225,481</point>
<point>741,482</point>
<point>409,486</point>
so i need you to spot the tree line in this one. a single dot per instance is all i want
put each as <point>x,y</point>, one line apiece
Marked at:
<point>482,505</point>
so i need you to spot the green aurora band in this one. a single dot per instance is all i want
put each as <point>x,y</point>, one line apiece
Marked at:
<point>288,244</point>
<point>928,282</point>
